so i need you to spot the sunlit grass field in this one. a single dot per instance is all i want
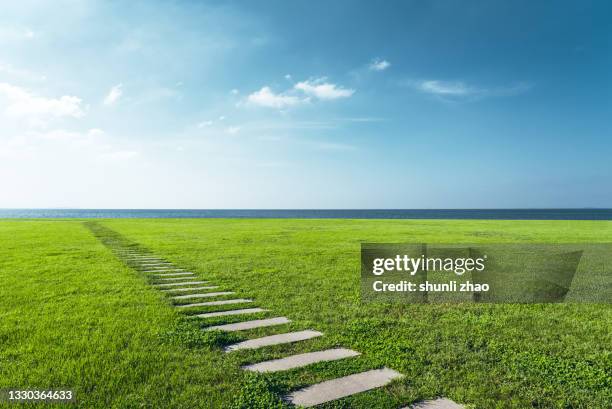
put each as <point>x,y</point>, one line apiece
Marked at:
<point>74,316</point>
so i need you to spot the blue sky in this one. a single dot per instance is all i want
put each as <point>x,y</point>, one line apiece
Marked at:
<point>305,104</point>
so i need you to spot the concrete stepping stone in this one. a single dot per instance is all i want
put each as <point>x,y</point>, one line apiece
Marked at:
<point>441,403</point>
<point>148,259</point>
<point>274,340</point>
<point>300,360</point>
<point>173,278</point>
<point>203,295</point>
<point>138,260</point>
<point>144,258</point>
<point>172,274</point>
<point>342,387</point>
<point>164,264</point>
<point>175,284</point>
<point>241,326</point>
<point>229,312</point>
<point>160,269</point>
<point>221,302</point>
<point>177,270</point>
<point>155,266</point>
<point>189,289</point>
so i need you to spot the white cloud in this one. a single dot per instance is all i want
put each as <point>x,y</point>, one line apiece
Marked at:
<point>446,88</point>
<point>459,90</point>
<point>204,124</point>
<point>323,90</point>
<point>267,98</point>
<point>22,103</point>
<point>234,92</point>
<point>379,65</point>
<point>232,130</point>
<point>113,94</point>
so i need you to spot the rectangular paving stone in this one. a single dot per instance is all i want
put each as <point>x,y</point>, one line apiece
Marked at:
<point>221,302</point>
<point>241,326</point>
<point>274,340</point>
<point>300,360</point>
<point>144,258</point>
<point>189,289</point>
<point>441,403</point>
<point>230,312</point>
<point>132,260</point>
<point>342,387</point>
<point>173,278</point>
<point>175,284</point>
<point>156,264</point>
<point>203,295</point>
<point>164,268</point>
<point>172,274</point>
<point>177,270</point>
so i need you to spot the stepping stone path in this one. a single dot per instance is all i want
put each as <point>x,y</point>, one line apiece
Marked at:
<point>327,391</point>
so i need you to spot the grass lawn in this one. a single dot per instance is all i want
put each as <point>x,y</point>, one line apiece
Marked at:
<point>73,315</point>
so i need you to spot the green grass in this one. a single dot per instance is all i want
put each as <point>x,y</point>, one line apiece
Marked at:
<point>73,315</point>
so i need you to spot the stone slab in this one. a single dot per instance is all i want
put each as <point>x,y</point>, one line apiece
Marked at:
<point>155,264</point>
<point>133,258</point>
<point>221,302</point>
<point>189,289</point>
<point>230,312</point>
<point>173,278</point>
<point>300,360</point>
<point>172,274</point>
<point>242,326</point>
<point>274,340</point>
<point>342,387</point>
<point>175,284</point>
<point>203,295</point>
<point>160,269</point>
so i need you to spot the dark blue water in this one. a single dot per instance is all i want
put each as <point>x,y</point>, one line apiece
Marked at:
<point>496,214</point>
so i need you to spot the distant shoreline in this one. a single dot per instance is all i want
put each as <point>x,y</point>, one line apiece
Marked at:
<point>455,214</point>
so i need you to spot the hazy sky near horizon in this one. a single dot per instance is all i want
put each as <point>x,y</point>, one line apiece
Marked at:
<point>305,104</point>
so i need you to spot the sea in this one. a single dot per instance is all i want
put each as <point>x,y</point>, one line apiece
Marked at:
<point>484,214</point>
